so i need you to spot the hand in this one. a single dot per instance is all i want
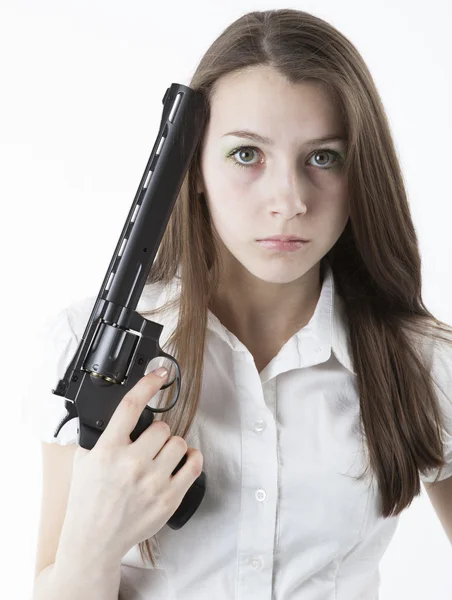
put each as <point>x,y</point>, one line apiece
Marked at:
<point>123,492</point>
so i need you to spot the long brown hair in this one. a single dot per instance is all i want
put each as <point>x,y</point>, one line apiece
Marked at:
<point>376,261</point>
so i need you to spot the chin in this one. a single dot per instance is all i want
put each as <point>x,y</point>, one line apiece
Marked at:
<point>278,272</point>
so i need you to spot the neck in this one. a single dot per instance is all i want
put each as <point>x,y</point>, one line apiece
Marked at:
<point>258,312</point>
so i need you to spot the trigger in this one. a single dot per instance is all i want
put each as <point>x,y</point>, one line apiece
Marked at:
<point>71,414</point>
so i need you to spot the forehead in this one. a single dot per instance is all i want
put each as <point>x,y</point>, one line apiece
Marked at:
<point>261,99</point>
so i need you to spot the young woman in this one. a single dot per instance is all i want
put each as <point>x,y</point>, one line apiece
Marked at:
<point>315,381</point>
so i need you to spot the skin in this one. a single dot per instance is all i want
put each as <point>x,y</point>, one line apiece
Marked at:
<point>266,296</point>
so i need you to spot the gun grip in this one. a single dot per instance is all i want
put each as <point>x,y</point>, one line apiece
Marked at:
<point>146,419</point>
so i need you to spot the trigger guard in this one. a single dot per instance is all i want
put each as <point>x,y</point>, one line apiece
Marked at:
<point>173,360</point>
<point>176,380</point>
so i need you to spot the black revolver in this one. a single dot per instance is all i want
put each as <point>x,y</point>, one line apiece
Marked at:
<point>118,343</point>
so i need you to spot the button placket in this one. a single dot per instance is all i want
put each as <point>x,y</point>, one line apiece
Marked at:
<point>260,495</point>
<point>259,480</point>
<point>256,563</point>
<point>259,426</point>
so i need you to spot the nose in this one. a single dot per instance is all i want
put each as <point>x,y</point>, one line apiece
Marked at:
<point>288,203</point>
<point>288,197</point>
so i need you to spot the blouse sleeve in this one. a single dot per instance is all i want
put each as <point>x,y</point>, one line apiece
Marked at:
<point>441,372</point>
<point>50,352</point>
<point>52,349</point>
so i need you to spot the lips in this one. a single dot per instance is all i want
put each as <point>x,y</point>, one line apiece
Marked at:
<point>285,246</point>
<point>283,238</point>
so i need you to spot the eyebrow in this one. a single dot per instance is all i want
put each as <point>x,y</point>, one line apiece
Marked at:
<point>250,135</point>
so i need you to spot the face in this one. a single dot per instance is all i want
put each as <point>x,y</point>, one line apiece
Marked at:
<point>285,185</point>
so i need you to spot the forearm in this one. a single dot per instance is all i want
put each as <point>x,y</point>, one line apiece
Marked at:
<point>87,566</point>
<point>73,580</point>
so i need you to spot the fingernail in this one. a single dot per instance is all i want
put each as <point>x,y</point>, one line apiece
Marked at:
<point>161,371</point>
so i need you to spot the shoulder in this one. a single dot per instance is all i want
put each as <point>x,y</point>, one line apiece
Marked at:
<point>436,354</point>
<point>441,373</point>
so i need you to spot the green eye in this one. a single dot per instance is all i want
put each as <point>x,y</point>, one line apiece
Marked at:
<point>241,149</point>
<point>338,162</point>
<point>338,157</point>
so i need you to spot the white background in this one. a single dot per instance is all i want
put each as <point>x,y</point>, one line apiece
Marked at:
<point>80,105</point>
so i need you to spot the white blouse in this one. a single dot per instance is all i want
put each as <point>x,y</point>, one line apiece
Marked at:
<point>282,517</point>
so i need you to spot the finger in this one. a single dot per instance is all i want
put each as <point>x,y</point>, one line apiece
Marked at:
<point>128,411</point>
<point>152,440</point>
<point>189,472</point>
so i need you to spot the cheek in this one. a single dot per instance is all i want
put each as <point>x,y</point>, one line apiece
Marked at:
<point>338,217</point>
<point>228,216</point>
<point>231,218</point>
<point>343,211</point>
<point>228,201</point>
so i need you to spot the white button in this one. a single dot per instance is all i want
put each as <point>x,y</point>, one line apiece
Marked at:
<point>260,495</point>
<point>259,426</point>
<point>256,563</point>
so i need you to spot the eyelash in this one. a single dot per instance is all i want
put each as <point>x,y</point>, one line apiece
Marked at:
<point>231,155</point>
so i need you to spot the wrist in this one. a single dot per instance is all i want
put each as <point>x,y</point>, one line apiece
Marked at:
<point>78,553</point>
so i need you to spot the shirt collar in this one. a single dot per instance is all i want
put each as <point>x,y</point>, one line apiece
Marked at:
<point>326,332</point>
